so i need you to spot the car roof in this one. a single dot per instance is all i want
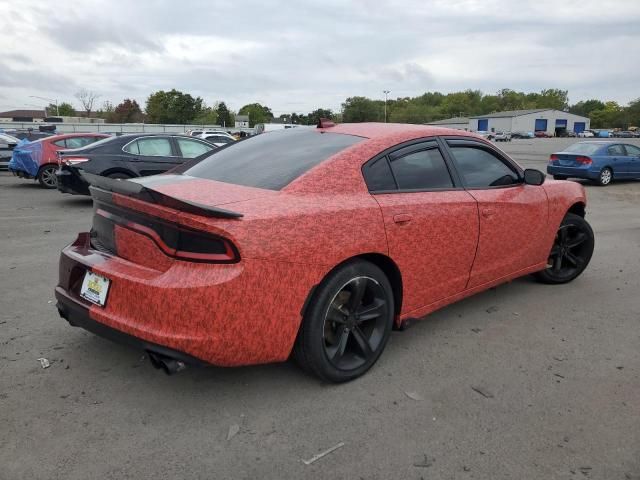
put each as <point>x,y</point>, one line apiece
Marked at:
<point>380,130</point>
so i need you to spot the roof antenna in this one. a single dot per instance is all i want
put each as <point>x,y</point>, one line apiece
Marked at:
<point>325,123</point>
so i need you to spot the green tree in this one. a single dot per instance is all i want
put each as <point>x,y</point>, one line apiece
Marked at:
<point>207,116</point>
<point>257,113</point>
<point>362,109</point>
<point>553,98</point>
<point>612,115</point>
<point>63,109</point>
<point>585,108</point>
<point>316,115</point>
<point>172,107</point>
<point>224,115</point>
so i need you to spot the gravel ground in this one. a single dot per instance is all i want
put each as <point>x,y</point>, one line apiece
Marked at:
<point>525,381</point>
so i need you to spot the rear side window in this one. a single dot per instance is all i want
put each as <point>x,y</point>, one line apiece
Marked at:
<point>192,148</point>
<point>481,168</point>
<point>614,150</point>
<point>219,139</point>
<point>271,160</point>
<point>421,170</point>
<point>60,143</point>
<point>79,142</point>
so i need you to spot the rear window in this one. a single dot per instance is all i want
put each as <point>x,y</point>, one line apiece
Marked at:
<point>583,148</point>
<point>271,160</point>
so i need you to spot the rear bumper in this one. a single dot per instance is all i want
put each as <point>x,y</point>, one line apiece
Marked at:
<point>70,181</point>
<point>575,172</point>
<point>77,315</point>
<point>220,314</point>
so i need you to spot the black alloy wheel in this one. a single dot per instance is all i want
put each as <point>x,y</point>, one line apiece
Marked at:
<point>347,323</point>
<point>355,323</point>
<point>571,252</point>
<point>47,176</point>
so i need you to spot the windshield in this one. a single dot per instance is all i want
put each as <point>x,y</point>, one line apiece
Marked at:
<point>271,160</point>
<point>8,138</point>
<point>583,148</point>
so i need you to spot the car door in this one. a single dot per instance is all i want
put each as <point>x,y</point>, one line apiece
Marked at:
<point>632,161</point>
<point>153,154</point>
<point>513,216</point>
<point>430,221</point>
<point>617,159</point>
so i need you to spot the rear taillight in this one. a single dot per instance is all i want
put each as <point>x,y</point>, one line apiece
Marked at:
<point>553,158</point>
<point>584,160</point>
<point>173,240</point>
<point>74,160</point>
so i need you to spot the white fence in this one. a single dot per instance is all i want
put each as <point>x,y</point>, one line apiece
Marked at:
<point>64,127</point>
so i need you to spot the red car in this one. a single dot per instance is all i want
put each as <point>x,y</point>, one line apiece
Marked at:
<point>39,159</point>
<point>316,241</point>
<point>542,134</point>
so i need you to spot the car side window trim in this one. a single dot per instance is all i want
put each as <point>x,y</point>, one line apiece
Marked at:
<point>406,148</point>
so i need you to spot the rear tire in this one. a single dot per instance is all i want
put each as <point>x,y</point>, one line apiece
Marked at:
<point>47,176</point>
<point>571,252</point>
<point>347,324</point>
<point>605,177</point>
<point>559,177</point>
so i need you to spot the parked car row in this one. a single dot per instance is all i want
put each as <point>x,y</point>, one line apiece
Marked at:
<point>54,161</point>
<point>127,156</point>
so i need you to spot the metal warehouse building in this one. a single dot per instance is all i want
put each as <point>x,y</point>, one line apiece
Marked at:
<point>554,122</point>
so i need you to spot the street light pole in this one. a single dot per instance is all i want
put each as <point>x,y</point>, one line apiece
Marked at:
<point>55,101</point>
<point>386,93</point>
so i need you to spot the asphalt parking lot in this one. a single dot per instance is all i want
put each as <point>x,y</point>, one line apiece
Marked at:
<point>525,381</point>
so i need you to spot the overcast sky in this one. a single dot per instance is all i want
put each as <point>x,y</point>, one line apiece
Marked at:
<point>301,55</point>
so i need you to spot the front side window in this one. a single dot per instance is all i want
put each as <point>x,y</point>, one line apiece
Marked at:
<point>614,150</point>
<point>421,170</point>
<point>192,148</point>
<point>60,143</point>
<point>481,168</point>
<point>154,147</point>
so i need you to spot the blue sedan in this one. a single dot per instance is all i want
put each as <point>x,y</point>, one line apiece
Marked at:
<point>599,161</point>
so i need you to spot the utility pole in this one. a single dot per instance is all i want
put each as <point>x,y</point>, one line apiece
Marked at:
<point>48,100</point>
<point>386,93</point>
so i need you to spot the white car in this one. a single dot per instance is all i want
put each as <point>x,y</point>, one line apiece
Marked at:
<point>200,132</point>
<point>502,137</point>
<point>219,139</point>
<point>485,134</point>
<point>586,134</point>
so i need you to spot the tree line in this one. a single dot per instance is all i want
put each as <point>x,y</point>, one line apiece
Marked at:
<point>176,107</point>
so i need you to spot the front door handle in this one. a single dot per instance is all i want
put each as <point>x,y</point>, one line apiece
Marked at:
<point>488,212</point>
<point>402,218</point>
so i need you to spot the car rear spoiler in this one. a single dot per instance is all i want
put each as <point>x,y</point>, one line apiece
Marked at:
<point>144,193</point>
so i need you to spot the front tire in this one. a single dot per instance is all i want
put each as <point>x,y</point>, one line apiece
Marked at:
<point>571,252</point>
<point>605,177</point>
<point>47,176</point>
<point>347,323</point>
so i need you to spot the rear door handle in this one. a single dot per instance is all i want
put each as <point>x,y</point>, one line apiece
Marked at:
<point>402,218</point>
<point>488,212</point>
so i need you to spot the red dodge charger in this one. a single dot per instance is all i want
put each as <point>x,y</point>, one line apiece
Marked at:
<point>313,241</point>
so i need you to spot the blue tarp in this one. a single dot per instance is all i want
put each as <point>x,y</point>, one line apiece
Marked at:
<point>26,157</point>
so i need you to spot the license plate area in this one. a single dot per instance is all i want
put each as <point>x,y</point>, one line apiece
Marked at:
<point>95,288</point>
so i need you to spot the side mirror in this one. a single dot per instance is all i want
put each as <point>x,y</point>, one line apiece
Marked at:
<point>534,177</point>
